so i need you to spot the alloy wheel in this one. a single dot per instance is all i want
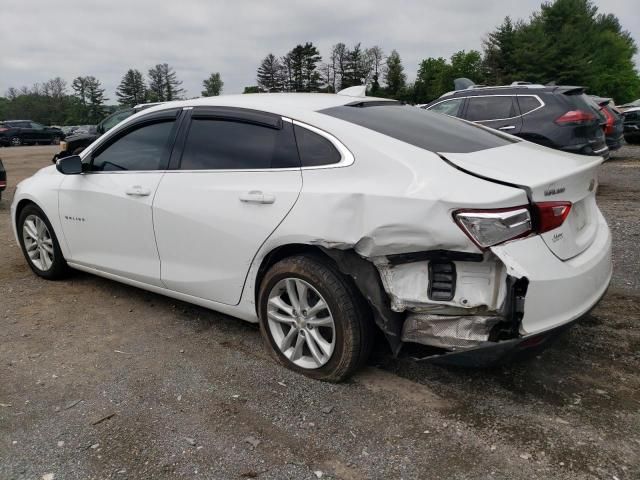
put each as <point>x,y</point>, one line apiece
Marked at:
<point>38,242</point>
<point>300,323</point>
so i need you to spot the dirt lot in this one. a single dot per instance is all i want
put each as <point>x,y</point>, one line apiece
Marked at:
<point>102,380</point>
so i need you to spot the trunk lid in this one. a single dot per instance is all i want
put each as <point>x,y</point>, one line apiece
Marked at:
<point>547,176</point>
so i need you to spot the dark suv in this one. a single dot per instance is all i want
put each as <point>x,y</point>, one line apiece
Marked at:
<point>554,116</point>
<point>26,132</point>
<point>75,143</point>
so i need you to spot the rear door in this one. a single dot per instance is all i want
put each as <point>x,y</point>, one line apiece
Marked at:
<point>235,176</point>
<point>496,111</point>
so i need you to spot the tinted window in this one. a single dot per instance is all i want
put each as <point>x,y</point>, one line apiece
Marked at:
<point>527,104</point>
<point>140,149</point>
<point>422,128</point>
<point>214,144</point>
<point>448,107</point>
<point>490,108</point>
<point>110,122</point>
<point>315,149</point>
<point>37,126</point>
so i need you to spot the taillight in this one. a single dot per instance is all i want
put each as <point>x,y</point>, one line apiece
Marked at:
<point>3,183</point>
<point>608,128</point>
<point>575,117</point>
<point>3,129</point>
<point>487,228</point>
<point>550,215</point>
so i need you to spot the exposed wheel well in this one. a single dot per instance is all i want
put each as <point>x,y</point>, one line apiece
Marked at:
<point>20,207</point>
<point>279,253</point>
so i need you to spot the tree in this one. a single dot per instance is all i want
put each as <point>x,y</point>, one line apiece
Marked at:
<point>79,86</point>
<point>375,57</point>
<point>499,49</point>
<point>95,99</point>
<point>271,77</point>
<point>339,59</point>
<point>301,68</point>
<point>132,89</point>
<point>434,78</point>
<point>394,75</point>
<point>212,85</point>
<point>468,65</point>
<point>252,89</point>
<point>164,85</point>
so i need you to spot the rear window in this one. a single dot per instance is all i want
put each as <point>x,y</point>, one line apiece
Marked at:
<point>421,128</point>
<point>527,103</point>
<point>314,149</point>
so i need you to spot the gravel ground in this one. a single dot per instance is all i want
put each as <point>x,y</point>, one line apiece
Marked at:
<point>101,380</point>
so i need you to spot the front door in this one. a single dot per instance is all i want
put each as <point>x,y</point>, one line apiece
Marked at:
<point>106,212</point>
<point>496,111</point>
<point>237,179</point>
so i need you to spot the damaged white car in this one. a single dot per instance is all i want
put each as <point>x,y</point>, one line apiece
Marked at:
<point>326,217</point>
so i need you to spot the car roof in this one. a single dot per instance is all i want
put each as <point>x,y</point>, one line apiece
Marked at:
<point>517,89</point>
<point>293,105</point>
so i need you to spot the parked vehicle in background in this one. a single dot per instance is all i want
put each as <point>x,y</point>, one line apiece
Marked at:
<point>627,106</point>
<point>632,125</point>
<point>560,117</point>
<point>326,218</point>
<point>3,179</point>
<point>25,132</point>
<point>85,135</point>
<point>614,123</point>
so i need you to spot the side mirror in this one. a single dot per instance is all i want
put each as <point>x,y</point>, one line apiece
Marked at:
<point>71,165</point>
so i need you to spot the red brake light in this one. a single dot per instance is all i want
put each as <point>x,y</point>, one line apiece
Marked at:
<point>608,128</point>
<point>551,215</point>
<point>3,129</point>
<point>3,183</point>
<point>575,117</point>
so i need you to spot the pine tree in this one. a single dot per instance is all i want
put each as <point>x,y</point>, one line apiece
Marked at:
<point>164,85</point>
<point>212,85</point>
<point>79,86</point>
<point>394,75</point>
<point>95,99</point>
<point>270,75</point>
<point>132,89</point>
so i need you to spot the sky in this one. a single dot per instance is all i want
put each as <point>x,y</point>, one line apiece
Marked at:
<point>41,39</point>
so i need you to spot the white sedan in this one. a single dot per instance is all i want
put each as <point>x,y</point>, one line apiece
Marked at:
<point>328,217</point>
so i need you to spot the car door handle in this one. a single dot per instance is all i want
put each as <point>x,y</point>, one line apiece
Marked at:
<point>256,196</point>
<point>137,191</point>
<point>507,127</point>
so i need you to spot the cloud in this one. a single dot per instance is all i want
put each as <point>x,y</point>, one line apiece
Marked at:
<point>41,40</point>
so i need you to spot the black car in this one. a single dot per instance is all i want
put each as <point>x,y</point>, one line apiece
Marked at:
<point>560,117</point>
<point>613,127</point>
<point>632,125</point>
<point>77,142</point>
<point>3,178</point>
<point>25,132</point>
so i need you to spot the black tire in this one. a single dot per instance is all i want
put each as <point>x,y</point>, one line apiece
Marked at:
<point>351,315</point>
<point>55,141</point>
<point>58,268</point>
<point>15,141</point>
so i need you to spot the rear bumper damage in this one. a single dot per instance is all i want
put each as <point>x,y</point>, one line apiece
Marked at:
<point>475,309</point>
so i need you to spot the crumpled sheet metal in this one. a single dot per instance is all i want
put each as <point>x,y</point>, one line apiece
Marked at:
<point>446,331</point>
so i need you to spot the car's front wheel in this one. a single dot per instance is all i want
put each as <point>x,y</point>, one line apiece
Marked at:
<point>15,141</point>
<point>40,244</point>
<point>313,319</point>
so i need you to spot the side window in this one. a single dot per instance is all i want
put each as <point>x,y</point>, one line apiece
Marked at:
<point>528,104</point>
<point>140,149</point>
<point>490,108</point>
<point>115,119</point>
<point>36,126</point>
<point>217,144</point>
<point>448,107</point>
<point>315,150</point>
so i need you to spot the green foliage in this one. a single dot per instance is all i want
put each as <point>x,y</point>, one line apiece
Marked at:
<point>164,85</point>
<point>212,85</point>
<point>567,42</point>
<point>300,69</point>
<point>394,75</point>
<point>132,89</point>
<point>271,76</point>
<point>252,89</point>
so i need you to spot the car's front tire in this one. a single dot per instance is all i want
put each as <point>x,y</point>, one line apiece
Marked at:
<point>15,141</point>
<point>40,245</point>
<point>313,319</point>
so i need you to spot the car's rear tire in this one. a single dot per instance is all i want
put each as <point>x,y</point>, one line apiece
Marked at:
<point>55,141</point>
<point>325,331</point>
<point>15,141</point>
<point>40,245</point>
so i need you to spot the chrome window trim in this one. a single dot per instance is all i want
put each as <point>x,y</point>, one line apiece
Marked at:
<point>537,97</point>
<point>346,158</point>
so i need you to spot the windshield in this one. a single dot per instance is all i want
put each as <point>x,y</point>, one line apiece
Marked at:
<point>421,128</point>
